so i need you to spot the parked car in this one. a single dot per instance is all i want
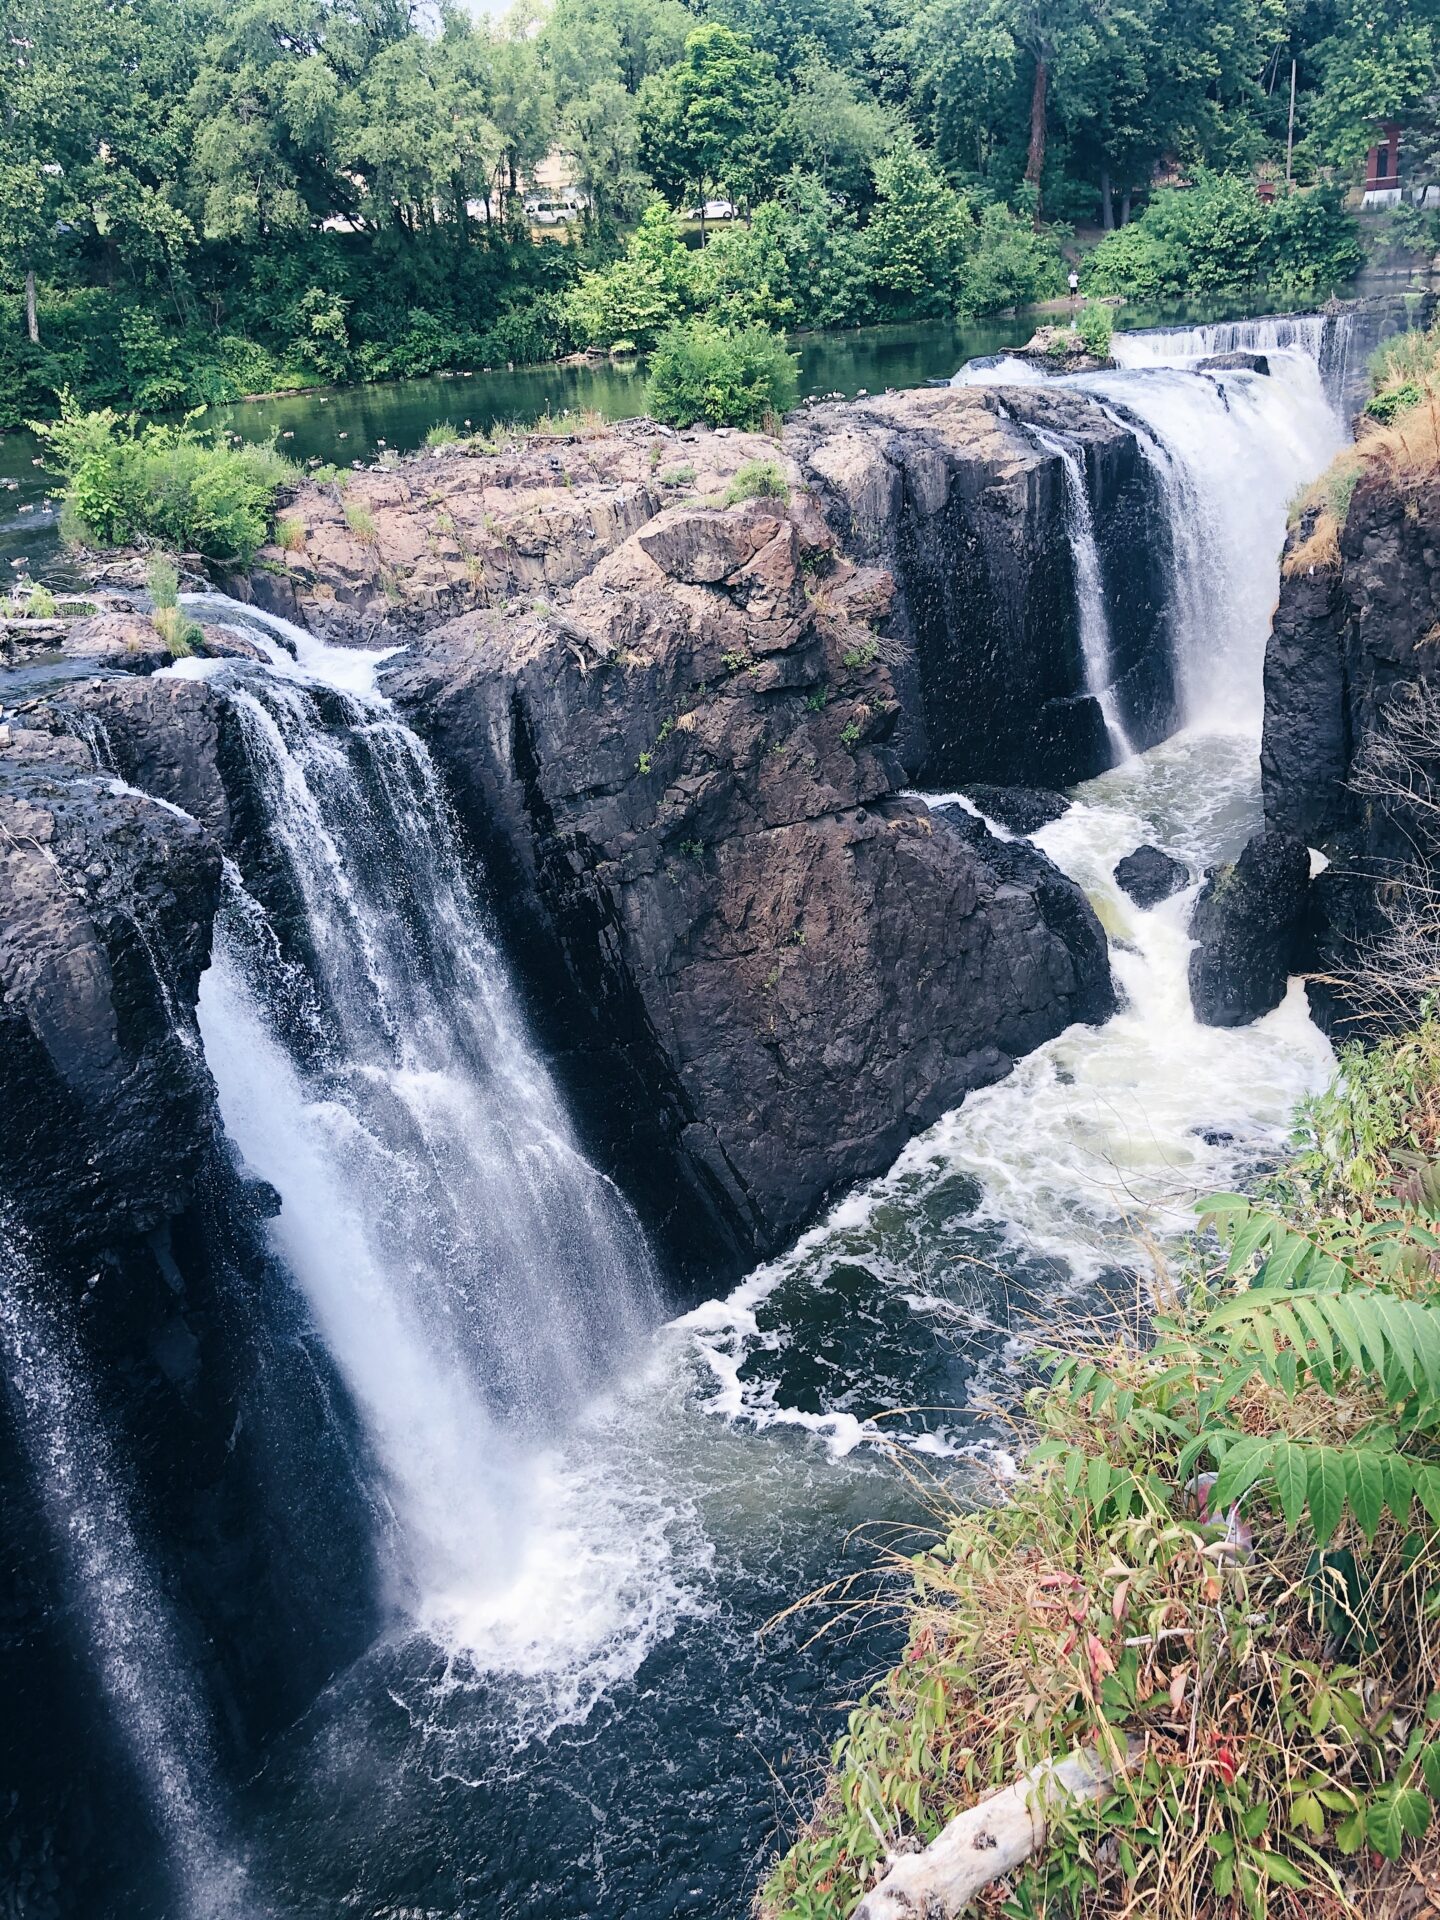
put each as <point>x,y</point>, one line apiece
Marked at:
<point>713,210</point>
<point>552,213</point>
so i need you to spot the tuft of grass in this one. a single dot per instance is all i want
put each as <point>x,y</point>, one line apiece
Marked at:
<point>757,480</point>
<point>442,434</point>
<point>290,534</point>
<point>180,633</point>
<point>360,521</point>
<point>1318,552</point>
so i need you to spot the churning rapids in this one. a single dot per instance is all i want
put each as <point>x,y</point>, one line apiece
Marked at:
<point>588,1511</point>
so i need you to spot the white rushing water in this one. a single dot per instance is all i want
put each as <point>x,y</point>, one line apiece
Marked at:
<point>129,1638</point>
<point>475,1279</point>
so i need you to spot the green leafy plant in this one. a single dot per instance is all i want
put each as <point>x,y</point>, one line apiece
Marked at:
<point>1095,324</point>
<point>757,480</point>
<point>704,372</point>
<point>125,483</point>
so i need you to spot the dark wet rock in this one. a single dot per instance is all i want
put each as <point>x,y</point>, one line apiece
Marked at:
<point>1248,925</point>
<point>1150,875</point>
<point>1351,651</point>
<point>952,492</point>
<point>125,1219</point>
<point>1216,1136</point>
<point>1021,809</point>
<point>1240,361</point>
<point>758,965</point>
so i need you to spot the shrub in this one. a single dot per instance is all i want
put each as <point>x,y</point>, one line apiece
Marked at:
<point>1095,325</point>
<point>702,372</point>
<point>442,434</point>
<point>1219,236</point>
<point>126,483</point>
<point>757,480</point>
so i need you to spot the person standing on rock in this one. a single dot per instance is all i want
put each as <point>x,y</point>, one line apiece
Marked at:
<point>1074,287</point>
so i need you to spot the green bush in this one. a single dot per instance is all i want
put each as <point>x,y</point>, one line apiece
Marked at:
<point>1095,325</point>
<point>1388,404</point>
<point>757,480</point>
<point>125,483</point>
<point>701,371</point>
<point>1218,236</point>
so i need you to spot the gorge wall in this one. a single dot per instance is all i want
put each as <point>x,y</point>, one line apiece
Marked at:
<point>1351,747</point>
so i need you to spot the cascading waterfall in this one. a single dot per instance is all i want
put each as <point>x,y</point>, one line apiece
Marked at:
<point>1323,338</point>
<point>473,1276</point>
<point>1229,451</point>
<point>136,1656</point>
<point>1094,617</point>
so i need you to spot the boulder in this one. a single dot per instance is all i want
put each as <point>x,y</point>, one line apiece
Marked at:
<point>1240,361</point>
<point>1248,925</point>
<point>1021,809</point>
<point>758,964</point>
<point>1150,875</point>
<point>125,642</point>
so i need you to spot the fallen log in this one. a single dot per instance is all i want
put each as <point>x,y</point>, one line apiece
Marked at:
<point>984,1842</point>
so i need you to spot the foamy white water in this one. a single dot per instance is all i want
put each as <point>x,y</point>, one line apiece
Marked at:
<point>476,1281</point>
<point>1103,1139</point>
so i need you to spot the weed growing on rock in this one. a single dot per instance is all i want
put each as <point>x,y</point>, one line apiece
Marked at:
<point>757,480</point>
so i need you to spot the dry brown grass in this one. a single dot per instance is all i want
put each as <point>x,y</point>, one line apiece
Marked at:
<point>1318,552</point>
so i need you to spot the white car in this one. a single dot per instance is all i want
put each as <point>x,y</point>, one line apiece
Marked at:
<point>713,210</point>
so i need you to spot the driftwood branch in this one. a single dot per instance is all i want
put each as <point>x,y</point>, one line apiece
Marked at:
<point>989,1840</point>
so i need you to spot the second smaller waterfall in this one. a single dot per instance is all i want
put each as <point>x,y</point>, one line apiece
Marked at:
<point>1094,616</point>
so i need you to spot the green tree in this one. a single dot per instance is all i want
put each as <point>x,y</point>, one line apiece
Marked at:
<point>834,129</point>
<point>712,120</point>
<point>918,238</point>
<point>639,295</point>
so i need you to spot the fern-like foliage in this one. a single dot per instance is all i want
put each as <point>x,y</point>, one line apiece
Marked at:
<point>1323,1308</point>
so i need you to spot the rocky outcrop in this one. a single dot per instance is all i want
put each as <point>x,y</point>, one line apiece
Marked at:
<point>1351,665</point>
<point>1240,361</point>
<point>1021,809</point>
<point>396,549</point>
<point>120,1197</point>
<point>1150,875</point>
<point>948,489</point>
<point>952,492</point>
<point>1248,926</point>
<point>760,967</point>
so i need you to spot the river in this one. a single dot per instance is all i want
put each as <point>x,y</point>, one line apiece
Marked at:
<point>591,1709</point>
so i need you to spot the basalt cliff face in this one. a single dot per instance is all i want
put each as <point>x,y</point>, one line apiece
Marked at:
<point>760,964</point>
<point>144,1242</point>
<point>953,492</point>
<point>1352,745</point>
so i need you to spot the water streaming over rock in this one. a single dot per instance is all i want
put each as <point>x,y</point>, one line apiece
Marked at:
<point>475,1279</point>
<point>1089,585</point>
<point>590,1528</point>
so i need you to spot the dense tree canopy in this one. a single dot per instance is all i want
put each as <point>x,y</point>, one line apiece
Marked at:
<point>201,196</point>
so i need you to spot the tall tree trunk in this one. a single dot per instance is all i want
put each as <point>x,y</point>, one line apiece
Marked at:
<point>1125,208</point>
<point>32,318</point>
<point>1035,160</point>
<point>1107,200</point>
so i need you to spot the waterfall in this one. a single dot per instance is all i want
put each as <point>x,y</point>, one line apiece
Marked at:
<point>137,1659</point>
<point>1094,617</point>
<point>1229,451</point>
<point>1324,338</point>
<point>474,1278</point>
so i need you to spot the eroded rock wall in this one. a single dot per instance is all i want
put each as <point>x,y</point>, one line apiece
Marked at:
<point>1351,649</point>
<point>122,1199</point>
<point>761,966</point>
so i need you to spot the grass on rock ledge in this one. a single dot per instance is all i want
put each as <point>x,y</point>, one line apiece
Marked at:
<point>1225,1545</point>
<point>1399,434</point>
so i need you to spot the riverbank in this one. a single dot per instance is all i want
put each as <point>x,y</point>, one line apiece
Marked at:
<point>1209,1576</point>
